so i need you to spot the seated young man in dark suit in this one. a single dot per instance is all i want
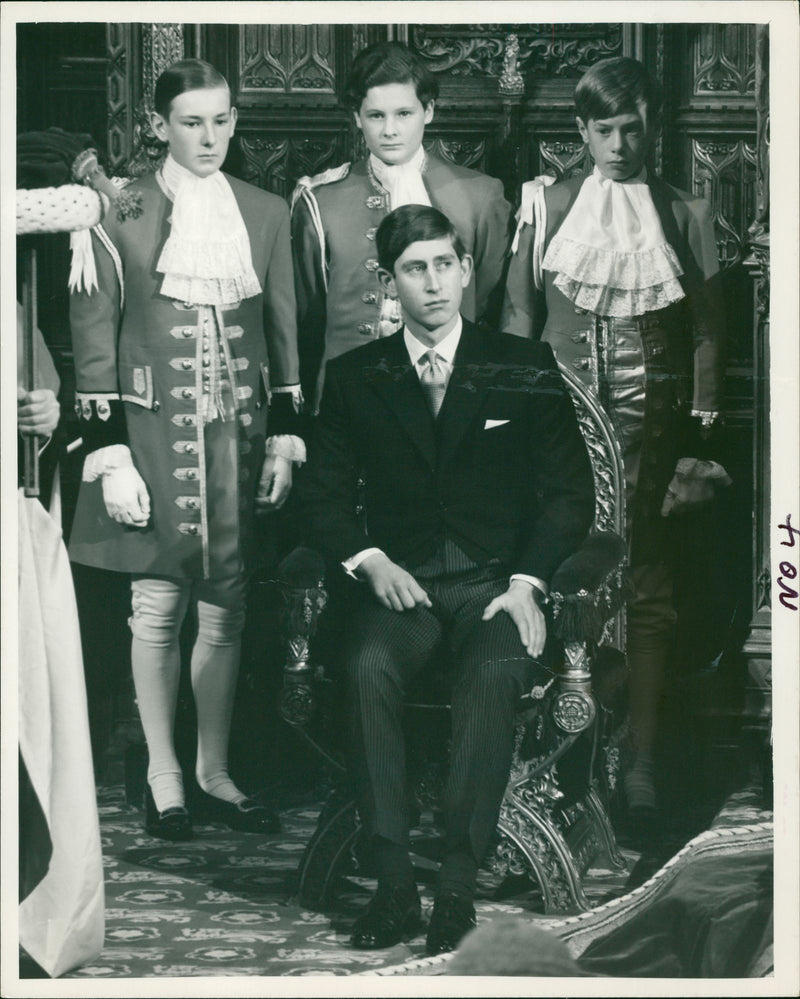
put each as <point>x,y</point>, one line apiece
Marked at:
<point>478,485</point>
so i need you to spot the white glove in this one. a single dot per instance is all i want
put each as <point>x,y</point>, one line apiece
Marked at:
<point>125,496</point>
<point>275,483</point>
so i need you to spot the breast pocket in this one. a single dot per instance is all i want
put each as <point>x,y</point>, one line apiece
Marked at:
<point>136,385</point>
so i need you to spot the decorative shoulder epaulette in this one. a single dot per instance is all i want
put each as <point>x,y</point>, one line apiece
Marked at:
<point>304,189</point>
<point>326,177</point>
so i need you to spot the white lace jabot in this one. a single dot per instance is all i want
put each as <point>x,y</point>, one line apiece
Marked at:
<point>610,253</point>
<point>206,260</point>
<point>403,181</point>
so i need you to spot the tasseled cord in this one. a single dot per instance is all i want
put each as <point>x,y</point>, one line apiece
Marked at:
<point>87,170</point>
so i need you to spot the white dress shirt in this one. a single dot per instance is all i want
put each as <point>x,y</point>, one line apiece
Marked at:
<point>446,351</point>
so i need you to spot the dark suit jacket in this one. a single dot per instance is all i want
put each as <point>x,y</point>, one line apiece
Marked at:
<point>520,491</point>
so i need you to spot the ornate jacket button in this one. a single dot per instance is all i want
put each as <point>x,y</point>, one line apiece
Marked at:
<point>365,328</point>
<point>371,264</point>
<point>370,298</point>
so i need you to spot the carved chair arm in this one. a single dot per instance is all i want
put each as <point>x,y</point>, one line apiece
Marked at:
<point>586,591</point>
<point>300,580</point>
<point>589,588</point>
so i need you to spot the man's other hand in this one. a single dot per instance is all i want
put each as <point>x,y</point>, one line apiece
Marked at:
<point>393,586</point>
<point>37,412</point>
<point>519,601</point>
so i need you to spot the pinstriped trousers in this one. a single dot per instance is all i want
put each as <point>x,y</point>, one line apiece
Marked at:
<point>387,649</point>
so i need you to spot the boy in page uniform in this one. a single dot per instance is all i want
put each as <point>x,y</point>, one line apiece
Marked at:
<point>178,352</point>
<point>336,214</point>
<point>618,272</point>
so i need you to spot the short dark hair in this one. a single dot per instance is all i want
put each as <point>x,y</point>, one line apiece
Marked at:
<point>616,86</point>
<point>388,62</point>
<point>412,224</point>
<point>187,74</point>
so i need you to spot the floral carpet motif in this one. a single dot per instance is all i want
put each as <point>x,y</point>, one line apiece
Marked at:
<point>224,903</point>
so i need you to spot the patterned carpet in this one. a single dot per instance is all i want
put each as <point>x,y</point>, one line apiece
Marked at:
<point>223,904</point>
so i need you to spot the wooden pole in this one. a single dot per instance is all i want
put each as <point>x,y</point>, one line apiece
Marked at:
<point>31,444</point>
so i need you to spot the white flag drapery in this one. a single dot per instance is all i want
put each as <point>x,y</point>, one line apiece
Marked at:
<point>61,921</point>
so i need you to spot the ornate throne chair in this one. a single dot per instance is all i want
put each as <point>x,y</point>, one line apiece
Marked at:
<point>553,821</point>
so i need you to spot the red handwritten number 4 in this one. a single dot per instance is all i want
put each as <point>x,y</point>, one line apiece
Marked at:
<point>788,569</point>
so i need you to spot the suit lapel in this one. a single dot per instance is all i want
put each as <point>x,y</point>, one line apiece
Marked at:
<point>396,382</point>
<point>464,398</point>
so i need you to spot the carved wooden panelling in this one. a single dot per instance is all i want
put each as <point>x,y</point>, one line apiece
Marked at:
<point>286,58</point>
<point>119,95</point>
<point>275,162</point>
<point>476,50</point>
<point>162,44</point>
<point>463,152</point>
<point>724,60</point>
<point>724,172</point>
<point>561,158</point>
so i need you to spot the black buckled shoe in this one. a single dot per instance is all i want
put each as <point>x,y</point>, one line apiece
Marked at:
<point>247,815</point>
<point>453,916</point>
<point>392,915</point>
<point>173,823</point>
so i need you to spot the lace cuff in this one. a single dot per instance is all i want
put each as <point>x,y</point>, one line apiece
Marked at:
<point>287,446</point>
<point>106,459</point>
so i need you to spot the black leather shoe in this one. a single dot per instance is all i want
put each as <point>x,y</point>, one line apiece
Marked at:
<point>392,915</point>
<point>453,916</point>
<point>244,816</point>
<point>172,824</point>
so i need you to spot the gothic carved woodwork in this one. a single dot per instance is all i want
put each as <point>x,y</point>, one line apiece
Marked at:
<point>121,88</point>
<point>162,44</point>
<point>462,152</point>
<point>724,173</point>
<point>562,159</point>
<point>275,162</point>
<point>286,58</point>
<point>479,50</point>
<point>724,60</point>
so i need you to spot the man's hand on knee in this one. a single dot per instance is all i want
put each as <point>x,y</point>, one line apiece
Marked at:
<point>392,585</point>
<point>520,602</point>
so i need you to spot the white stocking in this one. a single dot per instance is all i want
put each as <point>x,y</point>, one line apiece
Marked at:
<point>158,609</point>
<point>215,670</point>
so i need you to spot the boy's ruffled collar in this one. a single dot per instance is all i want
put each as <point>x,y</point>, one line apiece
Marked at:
<point>207,259</point>
<point>610,254</point>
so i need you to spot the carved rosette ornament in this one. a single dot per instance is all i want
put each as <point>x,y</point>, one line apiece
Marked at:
<point>573,711</point>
